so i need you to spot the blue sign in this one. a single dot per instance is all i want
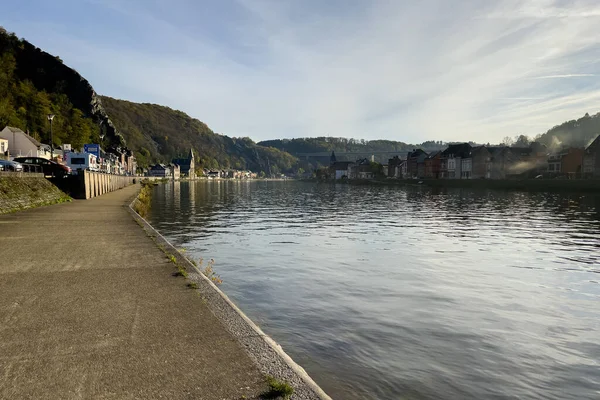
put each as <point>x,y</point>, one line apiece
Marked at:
<point>92,149</point>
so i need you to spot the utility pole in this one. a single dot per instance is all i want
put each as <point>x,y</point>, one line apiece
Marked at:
<point>50,118</point>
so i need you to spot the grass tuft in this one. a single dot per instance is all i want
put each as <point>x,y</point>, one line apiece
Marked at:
<point>209,272</point>
<point>278,388</point>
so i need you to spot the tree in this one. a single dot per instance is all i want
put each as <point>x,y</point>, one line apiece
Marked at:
<point>521,141</point>
<point>81,131</point>
<point>507,141</point>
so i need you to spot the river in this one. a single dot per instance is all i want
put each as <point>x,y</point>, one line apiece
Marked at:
<point>407,293</point>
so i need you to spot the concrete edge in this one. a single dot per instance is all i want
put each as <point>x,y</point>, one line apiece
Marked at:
<point>289,362</point>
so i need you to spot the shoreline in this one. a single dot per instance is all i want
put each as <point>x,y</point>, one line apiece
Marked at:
<point>267,354</point>
<point>527,185</point>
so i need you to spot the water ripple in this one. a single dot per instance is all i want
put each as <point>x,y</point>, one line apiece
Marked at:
<point>416,293</point>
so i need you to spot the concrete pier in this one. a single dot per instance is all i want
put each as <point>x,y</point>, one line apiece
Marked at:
<point>89,309</point>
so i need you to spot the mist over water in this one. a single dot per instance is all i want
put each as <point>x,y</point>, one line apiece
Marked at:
<point>412,293</point>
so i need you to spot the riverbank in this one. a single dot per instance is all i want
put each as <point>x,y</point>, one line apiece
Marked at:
<point>21,192</point>
<point>90,308</point>
<point>537,185</point>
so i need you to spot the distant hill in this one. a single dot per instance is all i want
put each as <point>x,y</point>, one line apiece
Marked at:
<point>574,133</point>
<point>159,133</point>
<point>344,145</point>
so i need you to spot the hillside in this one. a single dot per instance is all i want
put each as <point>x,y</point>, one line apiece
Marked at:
<point>574,133</point>
<point>158,133</point>
<point>34,84</point>
<point>344,145</point>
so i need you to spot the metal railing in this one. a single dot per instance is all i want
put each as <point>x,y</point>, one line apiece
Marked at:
<point>29,171</point>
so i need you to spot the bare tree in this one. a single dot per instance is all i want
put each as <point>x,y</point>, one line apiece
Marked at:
<point>507,141</point>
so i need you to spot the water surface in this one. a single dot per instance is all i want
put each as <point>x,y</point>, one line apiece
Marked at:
<point>407,293</point>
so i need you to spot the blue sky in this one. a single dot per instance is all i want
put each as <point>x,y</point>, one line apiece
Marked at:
<point>392,69</point>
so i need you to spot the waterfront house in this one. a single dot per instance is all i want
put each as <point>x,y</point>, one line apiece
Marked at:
<point>433,165</point>
<point>453,156</point>
<point>591,159</point>
<point>339,169</point>
<point>404,169</point>
<point>500,159</point>
<point>131,162</point>
<point>554,164</point>
<point>175,171</point>
<point>443,166</point>
<point>394,169</point>
<point>361,169</point>
<point>416,163</point>
<point>213,174</point>
<point>187,165</point>
<point>481,162</point>
<point>466,167</point>
<point>21,144</point>
<point>568,162</point>
<point>159,170</point>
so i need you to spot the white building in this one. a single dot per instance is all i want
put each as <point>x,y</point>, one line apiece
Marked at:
<point>4,148</point>
<point>21,144</point>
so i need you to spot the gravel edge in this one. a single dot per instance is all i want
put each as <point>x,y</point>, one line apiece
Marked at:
<point>268,355</point>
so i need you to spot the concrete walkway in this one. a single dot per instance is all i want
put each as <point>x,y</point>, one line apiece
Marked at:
<point>89,309</point>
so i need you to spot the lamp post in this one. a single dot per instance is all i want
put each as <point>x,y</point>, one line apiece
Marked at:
<point>50,118</point>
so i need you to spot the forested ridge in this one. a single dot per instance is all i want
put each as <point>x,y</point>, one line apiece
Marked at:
<point>159,133</point>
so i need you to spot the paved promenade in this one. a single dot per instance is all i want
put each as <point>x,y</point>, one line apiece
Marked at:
<point>89,309</point>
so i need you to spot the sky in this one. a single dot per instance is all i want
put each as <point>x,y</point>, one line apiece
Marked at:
<point>402,70</point>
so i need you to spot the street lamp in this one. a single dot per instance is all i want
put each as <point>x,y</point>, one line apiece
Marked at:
<point>50,118</point>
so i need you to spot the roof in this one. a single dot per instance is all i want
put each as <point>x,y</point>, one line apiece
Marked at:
<point>181,161</point>
<point>434,154</point>
<point>416,153</point>
<point>341,165</point>
<point>480,148</point>
<point>19,131</point>
<point>594,144</point>
<point>458,150</point>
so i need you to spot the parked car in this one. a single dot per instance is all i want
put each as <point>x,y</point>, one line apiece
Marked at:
<point>11,166</point>
<point>49,167</point>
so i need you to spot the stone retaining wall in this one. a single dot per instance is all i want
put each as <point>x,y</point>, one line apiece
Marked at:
<point>26,191</point>
<point>96,183</point>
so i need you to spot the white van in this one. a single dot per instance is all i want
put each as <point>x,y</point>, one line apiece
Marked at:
<point>82,161</point>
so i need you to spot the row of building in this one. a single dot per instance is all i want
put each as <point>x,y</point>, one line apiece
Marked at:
<point>463,161</point>
<point>16,143</point>
<point>186,168</point>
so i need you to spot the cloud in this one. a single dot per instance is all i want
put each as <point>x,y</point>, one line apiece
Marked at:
<point>401,70</point>
<point>564,76</point>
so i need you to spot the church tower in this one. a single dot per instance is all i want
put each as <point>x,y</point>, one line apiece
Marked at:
<point>192,173</point>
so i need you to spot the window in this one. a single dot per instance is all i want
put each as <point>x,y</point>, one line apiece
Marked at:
<point>77,160</point>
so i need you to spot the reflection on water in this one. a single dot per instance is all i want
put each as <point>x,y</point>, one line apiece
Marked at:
<point>387,293</point>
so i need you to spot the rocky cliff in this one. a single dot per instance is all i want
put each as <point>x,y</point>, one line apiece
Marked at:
<point>21,62</point>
